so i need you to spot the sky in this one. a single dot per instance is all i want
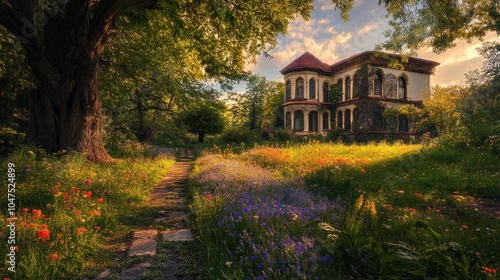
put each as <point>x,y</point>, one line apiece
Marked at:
<point>330,39</point>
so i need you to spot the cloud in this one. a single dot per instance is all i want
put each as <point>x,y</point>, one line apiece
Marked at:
<point>323,22</point>
<point>367,28</point>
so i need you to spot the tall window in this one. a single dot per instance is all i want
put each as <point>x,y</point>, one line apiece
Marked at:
<point>378,121</point>
<point>326,92</point>
<point>402,88</point>
<point>312,89</point>
<point>313,121</point>
<point>355,119</point>
<point>299,88</point>
<point>326,121</point>
<point>288,120</point>
<point>355,87</point>
<point>348,88</point>
<point>288,91</point>
<point>339,119</point>
<point>377,81</point>
<point>403,123</point>
<point>339,84</point>
<point>298,121</point>
<point>347,117</point>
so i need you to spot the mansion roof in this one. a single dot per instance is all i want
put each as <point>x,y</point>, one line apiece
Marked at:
<point>307,61</point>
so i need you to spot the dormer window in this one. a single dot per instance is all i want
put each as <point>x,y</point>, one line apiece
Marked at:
<point>299,88</point>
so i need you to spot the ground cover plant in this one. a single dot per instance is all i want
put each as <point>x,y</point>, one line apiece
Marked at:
<point>324,211</point>
<point>69,210</point>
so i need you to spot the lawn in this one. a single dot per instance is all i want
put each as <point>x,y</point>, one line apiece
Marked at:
<point>334,211</point>
<point>73,215</point>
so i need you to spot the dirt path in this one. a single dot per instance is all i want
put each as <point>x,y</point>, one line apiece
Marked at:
<point>170,252</point>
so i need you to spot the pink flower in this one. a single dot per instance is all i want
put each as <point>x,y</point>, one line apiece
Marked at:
<point>88,182</point>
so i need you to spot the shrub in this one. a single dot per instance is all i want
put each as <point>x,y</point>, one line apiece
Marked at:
<point>237,135</point>
<point>284,134</point>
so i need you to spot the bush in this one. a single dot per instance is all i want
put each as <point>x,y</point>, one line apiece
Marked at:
<point>237,135</point>
<point>284,134</point>
<point>267,133</point>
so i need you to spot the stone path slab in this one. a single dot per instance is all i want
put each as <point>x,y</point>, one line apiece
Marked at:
<point>178,235</point>
<point>136,272</point>
<point>144,243</point>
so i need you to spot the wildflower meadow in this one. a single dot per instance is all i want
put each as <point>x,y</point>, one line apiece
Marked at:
<point>69,211</point>
<point>335,211</point>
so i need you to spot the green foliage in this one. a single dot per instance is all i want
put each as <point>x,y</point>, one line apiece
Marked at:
<point>203,119</point>
<point>335,93</point>
<point>81,204</point>
<point>480,109</point>
<point>415,24</point>
<point>237,135</point>
<point>259,106</point>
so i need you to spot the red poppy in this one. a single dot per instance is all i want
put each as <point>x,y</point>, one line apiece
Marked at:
<point>43,234</point>
<point>100,200</point>
<point>87,194</point>
<point>53,256</point>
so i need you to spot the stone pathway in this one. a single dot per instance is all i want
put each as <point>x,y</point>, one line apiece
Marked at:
<point>169,196</point>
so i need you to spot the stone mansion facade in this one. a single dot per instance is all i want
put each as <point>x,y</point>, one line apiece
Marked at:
<point>366,86</point>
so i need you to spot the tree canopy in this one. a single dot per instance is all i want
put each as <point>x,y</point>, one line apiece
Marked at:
<point>434,23</point>
<point>64,40</point>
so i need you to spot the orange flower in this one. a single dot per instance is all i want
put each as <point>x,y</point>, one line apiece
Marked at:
<point>25,210</point>
<point>37,213</point>
<point>23,224</point>
<point>43,234</point>
<point>59,235</point>
<point>87,194</point>
<point>100,200</point>
<point>53,256</point>
<point>58,183</point>
<point>81,231</point>
<point>489,270</point>
<point>456,192</point>
<point>95,212</point>
<point>465,227</point>
<point>208,197</point>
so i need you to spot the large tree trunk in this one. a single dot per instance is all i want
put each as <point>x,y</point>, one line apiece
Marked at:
<point>70,117</point>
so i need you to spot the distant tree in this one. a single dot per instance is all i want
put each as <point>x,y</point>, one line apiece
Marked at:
<point>259,106</point>
<point>440,104</point>
<point>480,109</point>
<point>205,118</point>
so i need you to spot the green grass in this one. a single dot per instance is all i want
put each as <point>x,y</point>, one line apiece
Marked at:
<point>402,211</point>
<point>89,210</point>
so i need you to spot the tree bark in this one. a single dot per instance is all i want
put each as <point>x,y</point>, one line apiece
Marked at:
<point>69,117</point>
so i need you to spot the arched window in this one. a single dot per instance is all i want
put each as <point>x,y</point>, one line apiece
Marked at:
<point>288,91</point>
<point>355,87</point>
<point>403,123</point>
<point>299,88</point>
<point>402,88</point>
<point>339,119</point>
<point>355,119</point>
<point>326,121</point>
<point>377,84</point>
<point>348,88</point>
<point>378,121</point>
<point>313,121</point>
<point>288,120</point>
<point>312,89</point>
<point>339,84</point>
<point>326,92</point>
<point>347,119</point>
<point>298,121</point>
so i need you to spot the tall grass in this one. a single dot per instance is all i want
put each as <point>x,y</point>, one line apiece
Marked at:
<point>380,212</point>
<point>67,206</point>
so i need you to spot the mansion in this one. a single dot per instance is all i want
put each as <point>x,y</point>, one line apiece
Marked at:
<point>364,86</point>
